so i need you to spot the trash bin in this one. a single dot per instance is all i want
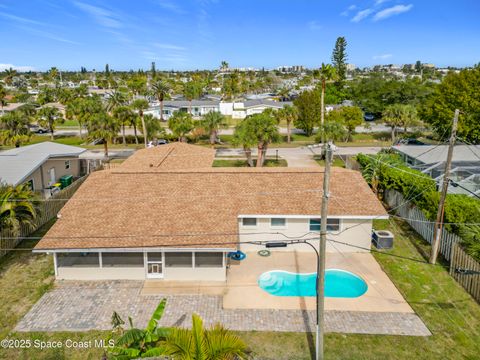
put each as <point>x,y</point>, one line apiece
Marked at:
<point>65,181</point>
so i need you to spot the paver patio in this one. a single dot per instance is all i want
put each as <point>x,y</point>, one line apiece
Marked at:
<point>82,306</point>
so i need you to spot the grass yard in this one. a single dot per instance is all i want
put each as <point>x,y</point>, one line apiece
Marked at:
<point>243,163</point>
<point>448,311</point>
<point>336,162</point>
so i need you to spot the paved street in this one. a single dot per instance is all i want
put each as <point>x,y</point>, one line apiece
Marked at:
<point>82,306</point>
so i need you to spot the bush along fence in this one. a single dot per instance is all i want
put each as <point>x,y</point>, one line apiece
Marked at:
<point>415,198</point>
<point>417,220</point>
<point>47,210</point>
<point>466,270</point>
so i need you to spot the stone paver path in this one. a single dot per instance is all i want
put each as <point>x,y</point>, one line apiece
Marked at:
<point>74,306</point>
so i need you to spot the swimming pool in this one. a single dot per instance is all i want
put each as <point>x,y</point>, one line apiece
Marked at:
<point>338,284</point>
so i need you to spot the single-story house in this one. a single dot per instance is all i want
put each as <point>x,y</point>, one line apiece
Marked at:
<point>40,165</point>
<point>197,108</point>
<point>430,159</point>
<point>166,213</point>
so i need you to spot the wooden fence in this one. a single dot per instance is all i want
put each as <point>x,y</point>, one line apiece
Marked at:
<point>449,245</point>
<point>47,210</point>
<point>419,222</point>
<point>460,260</point>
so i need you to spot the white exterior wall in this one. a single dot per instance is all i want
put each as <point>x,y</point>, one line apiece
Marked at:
<point>296,228</point>
<point>226,108</point>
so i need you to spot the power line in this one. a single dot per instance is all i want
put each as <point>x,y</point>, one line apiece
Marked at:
<point>431,222</point>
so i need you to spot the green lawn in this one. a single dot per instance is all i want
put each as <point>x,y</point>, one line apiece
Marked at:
<point>243,163</point>
<point>449,312</point>
<point>336,162</point>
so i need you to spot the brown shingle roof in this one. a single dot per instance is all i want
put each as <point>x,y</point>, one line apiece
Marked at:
<point>128,208</point>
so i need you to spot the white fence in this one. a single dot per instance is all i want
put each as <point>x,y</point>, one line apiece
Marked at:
<point>419,222</point>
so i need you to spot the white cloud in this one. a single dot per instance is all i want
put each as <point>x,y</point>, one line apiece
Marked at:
<point>362,14</point>
<point>16,67</point>
<point>314,25</point>
<point>352,7</point>
<point>169,46</point>
<point>380,2</point>
<point>20,19</point>
<point>102,16</point>
<point>347,11</point>
<point>170,6</point>
<point>392,11</point>
<point>382,57</point>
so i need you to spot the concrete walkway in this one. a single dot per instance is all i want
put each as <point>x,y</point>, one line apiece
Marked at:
<point>83,306</point>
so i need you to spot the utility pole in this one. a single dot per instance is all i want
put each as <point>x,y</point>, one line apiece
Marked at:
<point>321,255</point>
<point>437,231</point>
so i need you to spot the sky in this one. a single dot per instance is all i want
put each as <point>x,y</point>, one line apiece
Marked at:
<point>199,34</point>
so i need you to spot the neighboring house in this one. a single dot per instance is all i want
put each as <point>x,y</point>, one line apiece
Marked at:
<point>11,107</point>
<point>40,165</point>
<point>430,159</point>
<point>240,110</point>
<point>197,108</point>
<point>166,213</point>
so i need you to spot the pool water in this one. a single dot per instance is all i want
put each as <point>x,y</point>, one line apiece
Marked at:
<point>338,284</point>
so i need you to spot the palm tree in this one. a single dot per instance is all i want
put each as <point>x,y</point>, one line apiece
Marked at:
<point>14,128</point>
<point>211,123</point>
<point>327,73</point>
<point>181,123</point>
<point>103,127</point>
<point>115,100</point>
<point>9,75</point>
<point>394,116</point>
<point>289,114</point>
<point>73,110</point>
<point>153,127</point>
<point>124,116</point>
<point>49,117</point>
<point>136,343</point>
<point>160,90</point>
<point>140,105</point>
<point>216,343</point>
<point>224,65</point>
<point>17,207</point>
<point>3,97</point>
<point>260,129</point>
<point>377,165</point>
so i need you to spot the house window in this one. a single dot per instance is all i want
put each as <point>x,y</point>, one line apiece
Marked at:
<point>332,224</point>
<point>122,260</point>
<point>278,222</point>
<point>314,224</point>
<point>67,164</point>
<point>209,259</point>
<point>178,259</point>
<point>78,260</point>
<point>249,222</point>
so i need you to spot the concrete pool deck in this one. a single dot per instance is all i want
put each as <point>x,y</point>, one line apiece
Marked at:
<point>243,292</point>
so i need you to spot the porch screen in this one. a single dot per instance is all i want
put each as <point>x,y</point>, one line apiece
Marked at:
<point>78,260</point>
<point>208,259</point>
<point>122,260</point>
<point>178,259</point>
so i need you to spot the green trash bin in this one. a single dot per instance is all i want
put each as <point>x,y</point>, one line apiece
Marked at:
<point>65,181</point>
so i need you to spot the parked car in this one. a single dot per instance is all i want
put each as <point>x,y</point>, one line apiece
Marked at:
<point>37,129</point>
<point>368,117</point>
<point>409,141</point>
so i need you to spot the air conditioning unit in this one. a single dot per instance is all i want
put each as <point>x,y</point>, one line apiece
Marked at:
<point>382,239</point>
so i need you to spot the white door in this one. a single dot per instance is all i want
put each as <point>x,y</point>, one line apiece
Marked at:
<point>51,176</point>
<point>155,265</point>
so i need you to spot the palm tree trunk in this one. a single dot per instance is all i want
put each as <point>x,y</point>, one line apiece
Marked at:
<point>123,135</point>
<point>145,135</point>
<point>52,136</point>
<point>105,147</point>
<point>80,129</point>
<point>393,134</point>
<point>248,154</point>
<point>260,156</point>
<point>213,137</point>
<point>135,132</point>
<point>161,110</point>
<point>288,132</point>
